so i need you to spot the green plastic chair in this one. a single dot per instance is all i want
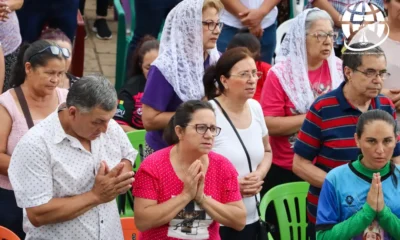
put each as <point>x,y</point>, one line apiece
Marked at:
<point>292,224</point>
<point>137,139</point>
<point>125,201</point>
<point>296,7</point>
<point>123,39</point>
<point>125,204</point>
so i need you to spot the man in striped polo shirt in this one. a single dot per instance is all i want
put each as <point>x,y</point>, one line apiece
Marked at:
<point>326,139</point>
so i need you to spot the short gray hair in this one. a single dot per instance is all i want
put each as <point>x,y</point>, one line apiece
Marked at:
<point>353,59</point>
<point>92,91</point>
<point>314,15</point>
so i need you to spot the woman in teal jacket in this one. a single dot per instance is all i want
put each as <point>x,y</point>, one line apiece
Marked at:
<point>361,200</point>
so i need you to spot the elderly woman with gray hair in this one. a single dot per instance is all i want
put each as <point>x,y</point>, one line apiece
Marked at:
<point>306,67</point>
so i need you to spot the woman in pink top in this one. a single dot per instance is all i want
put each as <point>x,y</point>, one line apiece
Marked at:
<point>37,73</point>
<point>185,191</point>
<point>306,67</point>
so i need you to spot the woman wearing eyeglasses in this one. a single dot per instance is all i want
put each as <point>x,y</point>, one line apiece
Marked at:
<point>360,200</point>
<point>63,41</point>
<point>306,67</point>
<point>187,47</point>
<point>185,191</point>
<point>231,85</point>
<point>36,75</point>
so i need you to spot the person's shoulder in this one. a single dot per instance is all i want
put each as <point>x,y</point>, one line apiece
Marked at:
<point>221,162</point>
<point>156,161</point>
<point>62,93</point>
<point>339,62</point>
<point>263,66</point>
<point>39,135</point>
<point>6,98</point>
<point>154,71</point>
<point>397,170</point>
<point>158,157</point>
<point>276,71</point>
<point>326,100</point>
<point>338,173</point>
<point>157,80</point>
<point>255,105</point>
<point>114,127</point>
<point>384,100</point>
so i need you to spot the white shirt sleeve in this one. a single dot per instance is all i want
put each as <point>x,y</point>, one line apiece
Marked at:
<point>260,116</point>
<point>30,172</point>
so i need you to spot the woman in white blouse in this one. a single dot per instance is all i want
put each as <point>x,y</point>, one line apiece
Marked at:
<point>230,85</point>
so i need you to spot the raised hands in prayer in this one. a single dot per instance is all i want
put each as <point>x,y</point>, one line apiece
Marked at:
<point>194,181</point>
<point>375,194</point>
<point>110,183</point>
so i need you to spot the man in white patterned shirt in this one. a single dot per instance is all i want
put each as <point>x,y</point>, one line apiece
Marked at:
<point>67,170</point>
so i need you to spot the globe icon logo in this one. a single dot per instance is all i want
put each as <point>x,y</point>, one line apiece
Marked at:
<point>364,15</point>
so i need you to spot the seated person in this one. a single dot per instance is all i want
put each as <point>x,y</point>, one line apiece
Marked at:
<point>129,110</point>
<point>185,191</point>
<point>361,199</point>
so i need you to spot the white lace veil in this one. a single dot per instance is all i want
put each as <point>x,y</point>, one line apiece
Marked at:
<point>180,57</point>
<point>291,65</point>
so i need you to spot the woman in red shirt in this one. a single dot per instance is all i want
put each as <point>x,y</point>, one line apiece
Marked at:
<point>184,191</point>
<point>248,40</point>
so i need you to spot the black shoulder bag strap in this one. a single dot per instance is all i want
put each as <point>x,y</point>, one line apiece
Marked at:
<point>264,226</point>
<point>24,106</point>
<point>241,142</point>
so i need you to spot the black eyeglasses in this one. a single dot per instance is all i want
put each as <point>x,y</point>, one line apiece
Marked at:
<point>203,128</point>
<point>55,50</point>
<point>370,73</point>
<point>213,25</point>
<point>322,36</point>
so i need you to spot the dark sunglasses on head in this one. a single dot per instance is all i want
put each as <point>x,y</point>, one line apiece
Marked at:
<point>55,50</point>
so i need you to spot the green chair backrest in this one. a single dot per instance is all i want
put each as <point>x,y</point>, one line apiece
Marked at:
<point>125,201</point>
<point>137,139</point>
<point>290,204</point>
<point>123,40</point>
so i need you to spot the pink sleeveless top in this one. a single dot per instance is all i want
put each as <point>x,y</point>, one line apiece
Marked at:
<point>19,125</point>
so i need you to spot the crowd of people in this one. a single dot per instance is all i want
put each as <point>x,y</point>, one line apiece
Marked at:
<point>226,121</point>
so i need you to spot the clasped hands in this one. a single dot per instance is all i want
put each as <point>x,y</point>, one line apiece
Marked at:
<point>375,195</point>
<point>193,182</point>
<point>111,183</point>
<point>251,19</point>
<point>251,184</point>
